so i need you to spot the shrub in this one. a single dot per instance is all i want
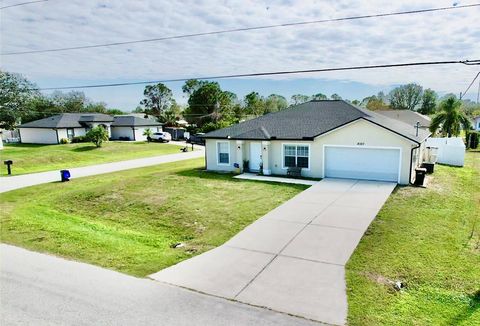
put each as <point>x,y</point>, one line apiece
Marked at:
<point>97,135</point>
<point>211,126</point>
<point>148,132</point>
<point>64,141</point>
<point>473,138</point>
<point>79,139</point>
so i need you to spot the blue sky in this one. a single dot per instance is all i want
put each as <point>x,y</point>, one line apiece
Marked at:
<point>445,35</point>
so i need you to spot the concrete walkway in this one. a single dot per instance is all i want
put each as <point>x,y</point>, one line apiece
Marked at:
<point>292,259</point>
<point>256,177</point>
<point>27,180</point>
<point>38,289</point>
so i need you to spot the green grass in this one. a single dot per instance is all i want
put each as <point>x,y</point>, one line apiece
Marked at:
<point>29,158</point>
<point>429,239</point>
<point>127,221</point>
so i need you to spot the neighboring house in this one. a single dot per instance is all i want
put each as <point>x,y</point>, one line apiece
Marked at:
<point>324,138</point>
<point>10,136</point>
<point>66,125</point>
<point>476,123</point>
<point>407,116</point>
<point>129,127</point>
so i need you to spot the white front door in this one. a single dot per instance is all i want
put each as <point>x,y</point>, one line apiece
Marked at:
<point>255,156</point>
<point>368,163</point>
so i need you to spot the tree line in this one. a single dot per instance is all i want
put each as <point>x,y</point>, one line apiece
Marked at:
<point>209,107</point>
<point>21,102</point>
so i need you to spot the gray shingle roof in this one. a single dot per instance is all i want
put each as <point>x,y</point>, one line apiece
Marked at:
<point>309,120</point>
<point>133,121</point>
<point>68,120</point>
<point>407,116</point>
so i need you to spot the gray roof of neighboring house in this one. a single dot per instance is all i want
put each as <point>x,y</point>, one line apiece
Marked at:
<point>68,120</point>
<point>407,116</point>
<point>143,115</point>
<point>309,120</point>
<point>133,121</point>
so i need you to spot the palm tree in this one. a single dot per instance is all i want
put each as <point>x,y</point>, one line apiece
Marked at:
<point>450,118</point>
<point>148,132</point>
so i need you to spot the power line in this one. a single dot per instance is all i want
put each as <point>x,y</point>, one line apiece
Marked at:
<point>274,73</point>
<point>463,94</point>
<point>22,4</point>
<point>243,29</point>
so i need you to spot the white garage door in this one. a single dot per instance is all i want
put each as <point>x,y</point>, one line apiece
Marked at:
<point>362,163</point>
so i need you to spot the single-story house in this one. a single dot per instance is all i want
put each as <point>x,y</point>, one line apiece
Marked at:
<point>330,138</point>
<point>127,127</point>
<point>407,116</point>
<point>476,123</point>
<point>66,125</point>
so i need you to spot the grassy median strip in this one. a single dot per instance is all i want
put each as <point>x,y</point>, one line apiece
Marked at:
<point>128,221</point>
<point>30,158</point>
<point>430,240</point>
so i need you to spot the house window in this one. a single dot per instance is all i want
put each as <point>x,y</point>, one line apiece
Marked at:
<point>70,133</point>
<point>296,156</point>
<point>223,150</point>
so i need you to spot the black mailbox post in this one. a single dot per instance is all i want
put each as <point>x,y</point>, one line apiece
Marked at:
<point>8,163</point>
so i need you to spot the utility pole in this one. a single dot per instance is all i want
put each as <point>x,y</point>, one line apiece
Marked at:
<point>478,92</point>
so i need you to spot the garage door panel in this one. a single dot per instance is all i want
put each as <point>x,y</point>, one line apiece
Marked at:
<point>362,163</point>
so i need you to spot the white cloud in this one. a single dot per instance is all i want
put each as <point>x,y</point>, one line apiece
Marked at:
<point>448,35</point>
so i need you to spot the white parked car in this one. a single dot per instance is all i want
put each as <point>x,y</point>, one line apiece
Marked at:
<point>161,136</point>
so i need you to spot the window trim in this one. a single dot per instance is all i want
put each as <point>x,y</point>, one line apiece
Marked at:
<point>73,133</point>
<point>218,153</point>
<point>296,144</point>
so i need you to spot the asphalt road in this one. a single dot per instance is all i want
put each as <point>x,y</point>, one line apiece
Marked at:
<point>38,289</point>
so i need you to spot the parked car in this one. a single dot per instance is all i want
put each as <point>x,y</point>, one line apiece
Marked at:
<point>163,137</point>
<point>197,139</point>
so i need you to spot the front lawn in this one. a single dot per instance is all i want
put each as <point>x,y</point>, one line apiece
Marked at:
<point>29,158</point>
<point>429,239</point>
<point>128,221</point>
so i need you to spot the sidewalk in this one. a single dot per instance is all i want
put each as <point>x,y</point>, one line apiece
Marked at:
<point>27,180</point>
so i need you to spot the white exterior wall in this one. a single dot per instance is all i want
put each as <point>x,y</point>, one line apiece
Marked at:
<point>38,135</point>
<point>139,132</point>
<point>361,131</point>
<point>62,133</point>
<point>79,132</point>
<point>133,133</point>
<point>118,132</point>
<point>212,159</point>
<point>358,132</point>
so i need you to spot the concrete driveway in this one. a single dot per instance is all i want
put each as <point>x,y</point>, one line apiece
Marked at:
<point>292,259</point>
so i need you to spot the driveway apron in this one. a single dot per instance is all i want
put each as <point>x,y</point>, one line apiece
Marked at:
<point>292,259</point>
